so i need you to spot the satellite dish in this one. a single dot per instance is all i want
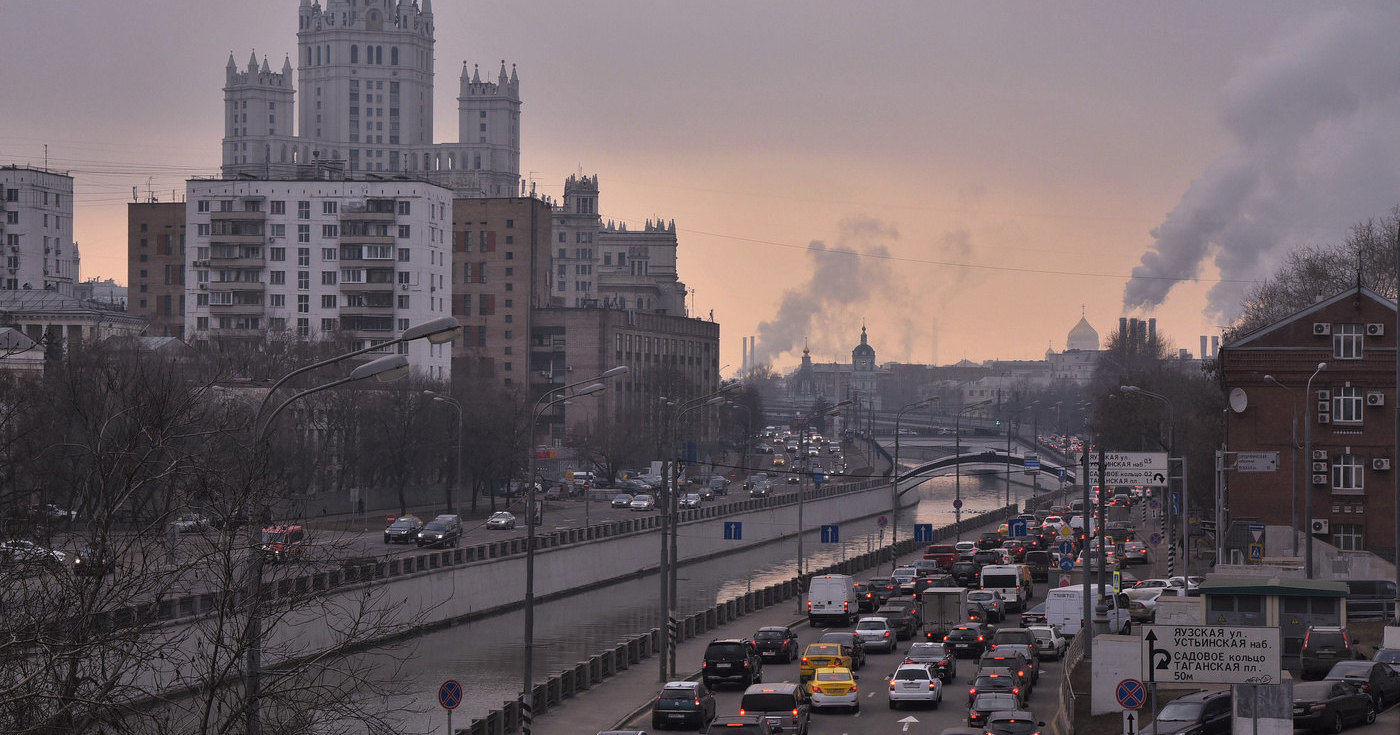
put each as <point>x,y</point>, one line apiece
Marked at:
<point>1238,400</point>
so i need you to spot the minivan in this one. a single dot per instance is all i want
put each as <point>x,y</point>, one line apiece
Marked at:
<point>1038,562</point>
<point>784,705</point>
<point>1013,581</point>
<point>1324,645</point>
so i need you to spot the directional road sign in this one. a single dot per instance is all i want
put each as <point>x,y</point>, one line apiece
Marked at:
<point>1032,464</point>
<point>1148,469</point>
<point>923,533</point>
<point>1212,654</point>
<point>1176,504</point>
<point>1066,547</point>
<point>1066,564</point>
<point>1256,461</point>
<point>1131,694</point>
<point>1017,527</point>
<point>1130,722</point>
<point>450,694</point>
<point>831,534</point>
<point>733,530</point>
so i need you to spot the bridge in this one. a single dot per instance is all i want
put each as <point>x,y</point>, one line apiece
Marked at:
<point>913,478</point>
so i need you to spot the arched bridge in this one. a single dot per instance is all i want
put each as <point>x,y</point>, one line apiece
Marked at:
<point>916,476</point>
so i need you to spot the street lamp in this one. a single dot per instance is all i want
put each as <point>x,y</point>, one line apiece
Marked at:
<point>894,484</point>
<point>801,490</point>
<point>1171,452</point>
<point>1293,449</point>
<point>1307,491</point>
<point>1009,423</point>
<point>551,397</point>
<point>957,461</point>
<point>457,406</point>
<point>386,368</point>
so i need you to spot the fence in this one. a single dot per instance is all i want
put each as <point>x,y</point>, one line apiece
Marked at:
<point>1064,718</point>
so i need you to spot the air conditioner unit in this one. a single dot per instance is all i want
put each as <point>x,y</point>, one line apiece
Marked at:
<point>1323,418</point>
<point>1375,399</point>
<point>1319,467</point>
<point>1380,464</point>
<point>1319,479</point>
<point>1375,329</point>
<point>1320,525</point>
<point>1324,395</point>
<point>1322,329</point>
<point>1319,454</point>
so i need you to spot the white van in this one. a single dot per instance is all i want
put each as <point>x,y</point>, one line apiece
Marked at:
<point>831,597</point>
<point>1013,581</point>
<point>1064,607</point>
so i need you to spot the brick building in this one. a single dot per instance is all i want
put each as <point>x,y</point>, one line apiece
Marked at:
<point>155,268</point>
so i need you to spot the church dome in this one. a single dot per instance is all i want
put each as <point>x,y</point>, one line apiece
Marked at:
<point>864,349</point>
<point>1082,336</point>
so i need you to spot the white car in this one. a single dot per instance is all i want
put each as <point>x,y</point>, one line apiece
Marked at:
<point>27,552</point>
<point>1052,645</point>
<point>965,549</point>
<point>877,633</point>
<point>1158,583</point>
<point>689,500</point>
<point>502,520</point>
<point>190,523</point>
<point>915,683</point>
<point>642,502</point>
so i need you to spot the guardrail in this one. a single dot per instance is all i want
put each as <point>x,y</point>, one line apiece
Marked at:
<point>1063,723</point>
<point>552,692</point>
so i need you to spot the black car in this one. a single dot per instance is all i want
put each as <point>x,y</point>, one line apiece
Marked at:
<point>731,660</point>
<point>683,704</point>
<point>865,598</point>
<point>1324,646</point>
<point>94,562</point>
<point>853,644</point>
<point>969,641</point>
<point>903,620</point>
<point>986,557</point>
<point>984,683</point>
<point>937,656</point>
<point>1034,616</point>
<point>739,725</point>
<point>988,703</point>
<point>1331,705</point>
<point>989,541</point>
<point>1206,713</point>
<point>966,573</point>
<point>404,530</point>
<point>884,588</point>
<point>775,641</point>
<point>931,581</point>
<point>1375,679</point>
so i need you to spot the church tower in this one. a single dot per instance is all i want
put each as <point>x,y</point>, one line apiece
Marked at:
<point>863,373</point>
<point>258,111</point>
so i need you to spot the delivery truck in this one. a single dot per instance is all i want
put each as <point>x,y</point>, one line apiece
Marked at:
<point>944,609</point>
<point>831,598</point>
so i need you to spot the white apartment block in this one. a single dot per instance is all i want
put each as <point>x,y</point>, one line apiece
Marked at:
<point>364,259</point>
<point>36,229</point>
<point>365,71</point>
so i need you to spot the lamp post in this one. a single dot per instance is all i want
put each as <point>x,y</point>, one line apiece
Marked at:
<point>456,406</point>
<point>386,368</point>
<point>801,487</point>
<point>1171,452</point>
<point>957,464</point>
<point>1307,487</point>
<point>1293,450</point>
<point>548,399</point>
<point>894,482</point>
<point>1009,423</point>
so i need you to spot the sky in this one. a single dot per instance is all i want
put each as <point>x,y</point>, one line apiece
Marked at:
<point>965,179</point>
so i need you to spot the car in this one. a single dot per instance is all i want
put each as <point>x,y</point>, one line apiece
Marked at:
<point>970,640</point>
<point>785,705</point>
<point>1389,657</point>
<point>1135,552</point>
<point>642,503</point>
<point>26,557</point>
<point>989,703</point>
<point>1323,646</point>
<point>1203,713</point>
<point>964,549</point>
<point>230,519</point>
<point>903,618</point>
<point>1375,679</point>
<point>776,641</point>
<point>190,523</point>
<point>905,576</point>
<point>834,687</point>
<point>683,704</point>
<point>1329,706</point>
<point>1154,583</point>
<point>1038,562</point>
<point>1017,547</point>
<point>689,500</point>
<point>1142,602</point>
<point>735,725</point>
<point>931,581</point>
<point>927,566</point>
<point>1034,616</point>
<point>404,530</point>
<point>865,598</point>
<point>915,683</point>
<point>989,540</point>
<point>779,460</point>
<point>707,493</point>
<point>937,656</point>
<point>884,588</point>
<point>761,490</point>
<point>854,645</point>
<point>986,557</point>
<point>1030,655</point>
<point>444,530</point>
<point>285,542</point>
<point>730,660</point>
<point>966,572</point>
<point>992,602</point>
<point>995,682</point>
<point>94,561</point>
<point>622,500</point>
<point>822,655</point>
<point>877,633</point>
<point>503,520</point>
<point>1016,722</point>
<point>1048,641</point>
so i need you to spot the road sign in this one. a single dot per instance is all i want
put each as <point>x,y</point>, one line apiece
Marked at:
<point>1256,531</point>
<point>1066,547</point>
<point>389,519</point>
<point>1066,564</point>
<point>882,521</point>
<point>1148,469</point>
<point>831,534</point>
<point>1066,531</point>
<point>1117,581</point>
<point>957,504</point>
<point>1176,504</point>
<point>1017,527</point>
<point>1064,580</point>
<point>1256,553</point>
<point>1154,505</point>
<point>923,533</point>
<point>1256,461</point>
<point>450,694</point>
<point>1130,722</point>
<point>1212,654</point>
<point>733,530</point>
<point>1131,694</point>
<point>1155,538</point>
<point>1032,464</point>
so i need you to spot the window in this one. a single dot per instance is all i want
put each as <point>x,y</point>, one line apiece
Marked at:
<point>277,207</point>
<point>277,278</point>
<point>403,301</point>
<point>330,231</point>
<point>277,230</point>
<point>379,252</point>
<point>328,278</point>
<point>328,300</point>
<point>1346,341</point>
<point>12,218</point>
<point>1347,537</point>
<point>303,257</point>
<point>277,301</point>
<point>303,280</point>
<point>303,210</point>
<point>403,255</point>
<point>303,233</point>
<point>330,325</point>
<point>404,208</point>
<point>303,327</point>
<point>403,232</point>
<point>303,304</point>
<point>201,206</point>
<point>329,207</point>
<point>277,254</point>
<point>1346,405</point>
<point>1347,478</point>
<point>352,275</point>
<point>328,253</point>
<point>203,229</point>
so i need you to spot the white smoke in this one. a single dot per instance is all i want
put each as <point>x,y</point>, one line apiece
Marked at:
<point>1316,128</point>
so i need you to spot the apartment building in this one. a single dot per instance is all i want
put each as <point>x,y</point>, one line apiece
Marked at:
<point>36,228</point>
<point>155,268</point>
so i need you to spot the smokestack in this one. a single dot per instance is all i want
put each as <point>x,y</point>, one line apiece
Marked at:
<point>1204,354</point>
<point>1152,330</point>
<point>1215,346</point>
<point>1123,335</point>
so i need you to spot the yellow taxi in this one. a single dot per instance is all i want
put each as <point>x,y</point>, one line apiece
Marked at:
<point>822,655</point>
<point>833,686</point>
<point>1004,529</point>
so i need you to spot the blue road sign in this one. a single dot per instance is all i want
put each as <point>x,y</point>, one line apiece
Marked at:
<point>1131,694</point>
<point>1017,527</point>
<point>1155,538</point>
<point>733,530</point>
<point>1256,552</point>
<point>1032,463</point>
<point>1061,473</point>
<point>1066,547</point>
<point>450,694</point>
<point>957,503</point>
<point>882,521</point>
<point>831,534</point>
<point>1067,564</point>
<point>923,533</point>
<point>818,478</point>
<point>1176,504</point>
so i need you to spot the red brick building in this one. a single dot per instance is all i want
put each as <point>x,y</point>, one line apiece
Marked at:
<point>1350,410</point>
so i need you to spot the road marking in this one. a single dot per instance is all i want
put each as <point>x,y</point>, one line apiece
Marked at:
<point>910,720</point>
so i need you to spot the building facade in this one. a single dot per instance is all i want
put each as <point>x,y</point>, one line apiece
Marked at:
<point>156,267</point>
<point>357,259</point>
<point>1348,411</point>
<point>36,229</point>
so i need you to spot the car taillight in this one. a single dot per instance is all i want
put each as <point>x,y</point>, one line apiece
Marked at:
<point>887,634</point>
<point>742,711</point>
<point>891,685</point>
<point>1306,636</point>
<point>1016,690</point>
<point>979,639</point>
<point>972,692</point>
<point>1317,708</point>
<point>794,712</point>
<point>931,685</point>
<point>908,660</point>
<point>945,637</point>
<point>854,688</point>
<point>809,606</point>
<point>697,703</point>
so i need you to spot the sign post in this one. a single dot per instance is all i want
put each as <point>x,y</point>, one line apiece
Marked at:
<point>449,696</point>
<point>1212,654</point>
<point>1148,469</point>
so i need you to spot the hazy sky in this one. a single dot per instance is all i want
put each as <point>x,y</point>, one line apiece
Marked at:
<point>975,170</point>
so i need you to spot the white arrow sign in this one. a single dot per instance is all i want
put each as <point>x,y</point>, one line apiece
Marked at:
<point>910,720</point>
<point>1129,722</point>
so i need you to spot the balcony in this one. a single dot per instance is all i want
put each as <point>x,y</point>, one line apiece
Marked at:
<point>235,286</point>
<point>369,287</point>
<point>236,309</point>
<point>241,215</point>
<point>257,263</point>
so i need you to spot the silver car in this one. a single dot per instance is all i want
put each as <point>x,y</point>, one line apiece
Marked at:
<point>877,633</point>
<point>643,502</point>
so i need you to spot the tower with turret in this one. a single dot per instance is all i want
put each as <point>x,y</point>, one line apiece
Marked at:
<point>259,106</point>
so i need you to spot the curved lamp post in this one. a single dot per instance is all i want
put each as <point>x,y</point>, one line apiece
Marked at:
<point>894,483</point>
<point>456,406</point>
<point>801,489</point>
<point>1307,488</point>
<point>1171,452</point>
<point>957,461</point>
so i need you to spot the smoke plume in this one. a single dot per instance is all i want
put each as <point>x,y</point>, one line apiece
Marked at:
<point>1315,123</point>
